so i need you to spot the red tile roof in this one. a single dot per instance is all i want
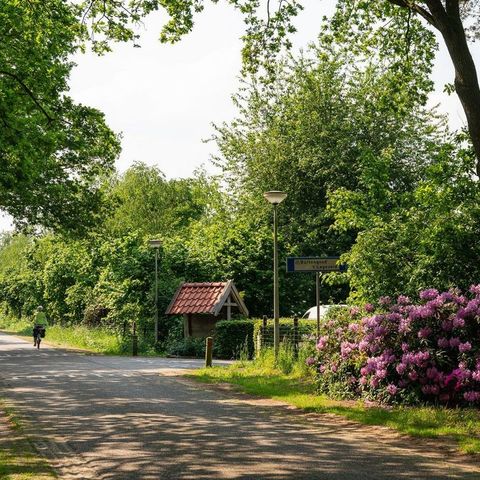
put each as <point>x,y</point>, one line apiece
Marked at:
<point>197,298</point>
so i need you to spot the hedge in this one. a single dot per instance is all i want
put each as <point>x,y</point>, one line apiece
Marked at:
<point>233,338</point>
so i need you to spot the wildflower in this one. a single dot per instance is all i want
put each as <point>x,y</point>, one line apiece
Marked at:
<point>465,347</point>
<point>476,375</point>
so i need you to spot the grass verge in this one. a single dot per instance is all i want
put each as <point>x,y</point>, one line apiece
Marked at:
<point>18,459</point>
<point>96,340</point>
<point>460,425</point>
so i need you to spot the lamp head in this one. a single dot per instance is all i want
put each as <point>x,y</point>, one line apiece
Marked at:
<point>275,197</point>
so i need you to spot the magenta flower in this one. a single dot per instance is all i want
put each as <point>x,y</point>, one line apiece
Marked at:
<point>455,342</point>
<point>429,294</point>
<point>369,308</point>
<point>310,361</point>
<point>465,347</point>
<point>458,322</point>
<point>322,342</point>
<point>471,396</point>
<point>401,367</point>
<point>443,342</point>
<point>392,389</point>
<point>475,289</point>
<point>403,300</point>
<point>424,332</point>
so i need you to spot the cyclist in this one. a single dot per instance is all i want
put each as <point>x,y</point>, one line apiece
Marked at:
<point>40,323</point>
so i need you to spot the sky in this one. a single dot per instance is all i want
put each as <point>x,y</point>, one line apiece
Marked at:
<point>163,99</point>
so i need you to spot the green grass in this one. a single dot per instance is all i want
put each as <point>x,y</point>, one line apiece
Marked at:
<point>18,459</point>
<point>92,339</point>
<point>257,378</point>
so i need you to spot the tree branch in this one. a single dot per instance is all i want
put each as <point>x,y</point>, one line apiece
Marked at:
<point>416,8</point>
<point>28,92</point>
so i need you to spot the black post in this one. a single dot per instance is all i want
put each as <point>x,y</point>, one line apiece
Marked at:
<point>134,340</point>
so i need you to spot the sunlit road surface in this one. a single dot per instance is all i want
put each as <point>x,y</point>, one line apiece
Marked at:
<point>97,417</point>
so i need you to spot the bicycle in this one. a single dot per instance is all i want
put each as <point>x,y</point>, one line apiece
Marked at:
<point>38,334</point>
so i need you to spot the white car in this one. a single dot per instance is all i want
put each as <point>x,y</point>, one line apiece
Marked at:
<point>311,313</point>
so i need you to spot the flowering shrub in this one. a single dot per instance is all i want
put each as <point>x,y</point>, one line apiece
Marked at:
<point>401,352</point>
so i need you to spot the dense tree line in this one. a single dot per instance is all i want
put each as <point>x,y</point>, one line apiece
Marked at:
<point>370,173</point>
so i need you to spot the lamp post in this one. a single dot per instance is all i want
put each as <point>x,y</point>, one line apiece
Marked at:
<point>156,245</point>
<point>275,198</point>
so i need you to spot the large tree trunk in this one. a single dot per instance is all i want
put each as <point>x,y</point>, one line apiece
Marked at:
<point>466,79</point>
<point>444,15</point>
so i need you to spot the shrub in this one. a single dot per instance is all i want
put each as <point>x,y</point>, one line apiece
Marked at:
<point>398,351</point>
<point>234,338</point>
<point>187,347</point>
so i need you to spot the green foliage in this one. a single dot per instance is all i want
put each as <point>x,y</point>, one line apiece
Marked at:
<point>234,338</point>
<point>428,240</point>
<point>53,152</point>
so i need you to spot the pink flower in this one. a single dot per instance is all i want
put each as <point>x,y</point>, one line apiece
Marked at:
<point>424,332</point>
<point>322,342</point>
<point>310,361</point>
<point>475,289</point>
<point>458,322</point>
<point>403,300</point>
<point>354,311</point>
<point>465,347</point>
<point>392,389</point>
<point>429,294</point>
<point>401,367</point>
<point>443,342</point>
<point>471,396</point>
<point>455,342</point>
<point>413,376</point>
<point>369,308</point>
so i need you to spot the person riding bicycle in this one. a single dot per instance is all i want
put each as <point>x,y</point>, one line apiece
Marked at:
<point>40,324</point>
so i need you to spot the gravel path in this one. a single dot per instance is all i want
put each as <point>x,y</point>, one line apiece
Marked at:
<point>120,418</point>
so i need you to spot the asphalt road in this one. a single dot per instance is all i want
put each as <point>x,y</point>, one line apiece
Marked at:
<point>99,418</point>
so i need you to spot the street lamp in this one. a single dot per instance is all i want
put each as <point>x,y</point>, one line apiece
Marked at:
<point>156,245</point>
<point>275,198</point>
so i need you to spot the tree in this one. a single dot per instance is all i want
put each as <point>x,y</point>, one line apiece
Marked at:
<point>52,151</point>
<point>268,31</point>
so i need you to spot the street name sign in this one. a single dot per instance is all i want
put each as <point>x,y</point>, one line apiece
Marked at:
<point>315,264</point>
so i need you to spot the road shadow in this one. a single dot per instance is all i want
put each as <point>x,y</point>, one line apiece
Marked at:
<point>98,420</point>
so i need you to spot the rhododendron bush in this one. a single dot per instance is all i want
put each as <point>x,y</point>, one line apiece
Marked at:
<point>404,352</point>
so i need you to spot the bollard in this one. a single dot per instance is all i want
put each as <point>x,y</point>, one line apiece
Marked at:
<point>134,340</point>
<point>208,351</point>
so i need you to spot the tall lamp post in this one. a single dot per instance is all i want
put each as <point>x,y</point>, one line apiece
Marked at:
<point>156,245</point>
<point>275,198</point>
